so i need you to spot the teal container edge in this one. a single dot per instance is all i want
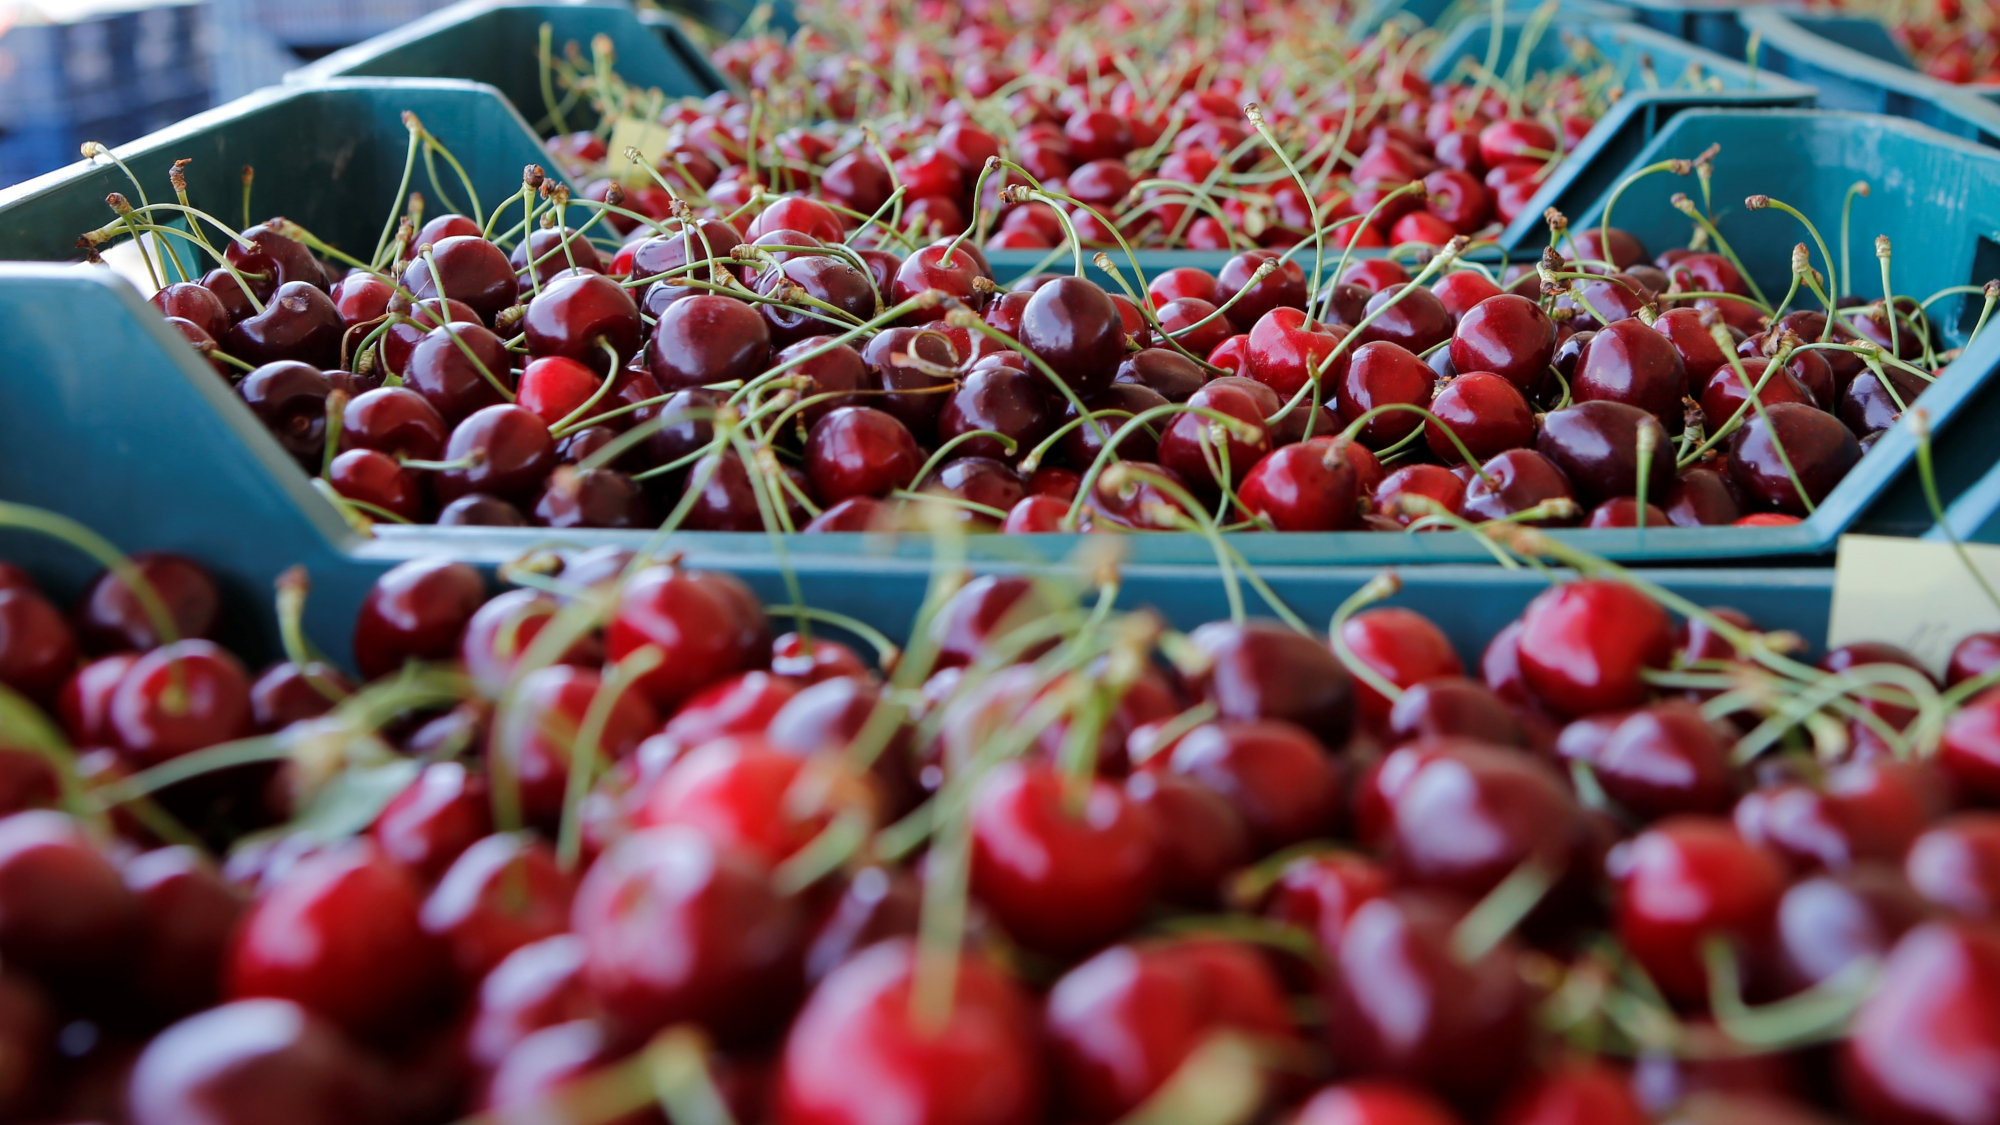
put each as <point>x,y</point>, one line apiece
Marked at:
<point>496,42</point>
<point>724,17</point>
<point>1708,24</point>
<point>1445,15</point>
<point>1856,66</point>
<point>1596,165</point>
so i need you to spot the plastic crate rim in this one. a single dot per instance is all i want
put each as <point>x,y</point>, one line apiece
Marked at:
<point>326,70</point>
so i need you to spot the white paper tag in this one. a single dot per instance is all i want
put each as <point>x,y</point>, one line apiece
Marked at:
<point>1916,593</point>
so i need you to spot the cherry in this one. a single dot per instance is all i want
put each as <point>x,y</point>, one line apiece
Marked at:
<point>339,935</point>
<point>1521,479</point>
<point>1374,1102</point>
<point>683,243</point>
<point>1508,335</point>
<point>838,368</point>
<point>593,498</point>
<point>1869,809</point>
<point>1465,816</point>
<point>554,387</point>
<point>541,728</point>
<point>260,249</point>
<point>1307,486</point>
<point>1378,374</point>
<point>503,893</point>
<point>1460,290</point>
<point>577,315</point>
<point>982,1066</point>
<point>1173,375</point>
<point>187,914</point>
<point>1286,350</point>
<point>1276,775</point>
<point>1658,761</point>
<point>470,269</point>
<point>914,388</point>
<point>1820,449</point>
<point>1076,329</point>
<point>553,251</point>
<point>861,451</point>
<point>1401,646</point>
<point>299,322</point>
<point>707,339</point>
<point>1920,1045</point>
<point>1284,287</point>
<point>377,479</point>
<point>1700,498</point>
<point>1193,324</point>
<point>1683,882</point>
<point>37,649</point>
<point>1263,670</point>
<point>823,278</point>
<point>235,302</point>
<point>110,618</point>
<point>1122,1023</point>
<point>396,421</point>
<point>444,811</point>
<point>1583,645</point>
<point>499,633</point>
<point>733,790</point>
<point>1868,404</point>
<point>65,913</point>
<point>1579,1091</point>
<point>677,929</point>
<point>927,269</point>
<point>416,611</point>
<point>1179,283</point>
<point>1003,400</point>
<point>1457,1028</point>
<point>1192,441</point>
<point>1828,922</point>
<point>450,365</point>
<point>706,625</point>
<point>1434,483</point>
<point>1417,320</point>
<point>284,694</point>
<point>539,985</point>
<point>179,698</point>
<point>1596,445</point>
<point>251,1060</point>
<point>1200,836</point>
<point>1627,361</point>
<point>480,510</point>
<point>290,399</point>
<point>1956,864</point>
<point>1725,394</point>
<point>195,303</point>
<point>505,451</point>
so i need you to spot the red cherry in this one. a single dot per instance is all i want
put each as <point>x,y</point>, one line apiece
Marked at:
<point>37,649</point>
<point>1284,287</point>
<point>1433,483</point>
<point>339,935</point>
<point>506,452</point>
<point>538,732</point>
<point>1465,816</point>
<point>1584,644</point>
<point>553,387</point>
<point>503,893</point>
<point>1488,413</point>
<point>187,914</point>
<point>706,625</point>
<point>675,929</point>
<point>1657,761</point>
<point>1276,775</point>
<point>707,339</point>
<point>415,612</point>
<point>981,1066</point>
<point>444,811</point>
<point>1264,670</point>
<point>1307,486</point>
<point>177,699</point>
<point>1683,882</point>
<point>470,269</point>
<point>1401,646</point>
<point>1957,865</point>
<point>1378,374</point>
<point>538,985</point>
<point>254,1059</point>
<point>861,451</point>
<point>734,791</point>
<point>1508,335</point>
<point>1374,1102</point>
<point>1580,1091</point>
<point>110,618</point>
<point>1061,877</point>
<point>1920,1047</point>
<point>65,914</point>
<point>396,421</point>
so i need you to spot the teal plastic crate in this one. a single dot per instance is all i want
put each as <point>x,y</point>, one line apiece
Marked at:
<point>1856,65</point>
<point>498,44</point>
<point>1443,15</point>
<point>1596,165</point>
<point>169,460</point>
<point>723,18</point>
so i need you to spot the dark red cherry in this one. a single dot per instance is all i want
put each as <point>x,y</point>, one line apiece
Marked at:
<point>1583,645</point>
<point>1464,816</point>
<point>1307,486</point>
<point>593,498</point>
<point>450,366</point>
<point>1194,324</point>
<point>37,649</point>
<point>827,279</point>
<point>394,420</point>
<point>111,617</point>
<point>1828,922</point>
<point>477,509</point>
<point>1869,403</point>
<point>957,280</point>
<point>1117,404</point>
<point>339,936</point>
<point>1457,1028</point>
<point>415,612</point>
<point>835,369</point>
<point>235,302</point>
<point>299,322</point>
<point>1279,778</point>
<point>254,1059</point>
<point>861,1018</point>
<point>1192,441</point>
<point>65,914</point>
<point>861,451</point>
<point>1508,335</point>
<point>505,450</point>
<point>1684,882</point>
<point>983,481</point>
<point>446,226</point>
<point>910,363</point>
<point>1658,761</point>
<point>1819,448</point>
<point>469,269</point>
<point>684,243</point>
<point>1919,1046</point>
<point>1201,837</point>
<point>1284,287</point>
<point>555,252</point>
<point>281,259</point>
<point>1374,1101</point>
<point>1415,491</point>
<point>1417,320</point>
<point>1454,707</point>
<point>290,399</point>
<point>706,339</point>
<point>435,818</point>
<point>1264,670</point>
<point>187,914</point>
<point>1379,374</point>
<point>1596,445</point>
<point>1487,413</point>
<point>503,893</point>
<point>1725,395</point>
<point>1002,400</point>
<point>1514,481</point>
<point>1460,290</point>
<point>678,930</point>
<point>1076,329</point>
<point>194,303</point>
<point>1173,375</point>
<point>707,626</point>
<point>584,317</point>
<point>1627,361</point>
<point>1624,511</point>
<point>1700,498</point>
<point>284,694</point>
<point>1060,875</point>
<point>379,480</point>
<point>177,699</point>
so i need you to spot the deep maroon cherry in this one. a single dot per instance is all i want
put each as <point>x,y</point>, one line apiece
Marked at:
<point>502,893</point>
<point>281,260</point>
<point>1658,761</point>
<point>196,303</point>
<point>1465,816</point>
<point>505,451</point>
<point>1515,481</point>
<point>1508,335</point>
<point>436,230</point>
<point>1819,448</point>
<point>450,368</point>
<point>1264,670</point>
<point>188,915</point>
<point>705,339</point>
<point>1173,375</point>
<point>1284,287</point>
<point>1454,707</point>
<point>1701,498</point>
<point>1277,776</point>
<point>1003,400</point>
<point>824,278</point>
<point>109,617</point>
<point>592,498</point>
<point>66,910</point>
<point>1193,324</point>
<point>861,451</point>
<point>290,399</point>
<point>1724,395</point>
<point>578,316</point>
<point>476,509</point>
<point>1596,445</point>
<point>470,269</point>
<point>396,421</point>
<point>37,648</point>
<point>1869,403</point>
<point>299,322</point>
<point>1082,444</point>
<point>407,331</point>
<point>254,1058</point>
<point>415,612</point>
<point>1076,329</point>
<point>1629,362</point>
<point>985,481</point>
<point>1418,321</point>
<point>916,382</point>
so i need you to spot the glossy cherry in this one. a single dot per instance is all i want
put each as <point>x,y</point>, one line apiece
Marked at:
<point>1684,882</point>
<point>706,625</point>
<point>1583,645</point>
<point>416,611</point>
<point>1596,445</point>
<point>1508,335</point>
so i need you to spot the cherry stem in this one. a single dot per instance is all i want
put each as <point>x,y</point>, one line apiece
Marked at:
<point>1325,300</point>
<point>1759,202</point>
<point>396,208</point>
<point>586,751</point>
<point>1503,909</point>
<point>1243,431</point>
<point>293,587</point>
<point>1384,585</point>
<point>437,284</point>
<point>1918,422</point>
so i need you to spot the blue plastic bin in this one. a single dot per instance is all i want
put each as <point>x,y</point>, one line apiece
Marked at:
<point>498,43</point>
<point>1855,64</point>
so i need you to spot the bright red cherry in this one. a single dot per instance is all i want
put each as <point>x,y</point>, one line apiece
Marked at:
<point>504,892</point>
<point>1584,644</point>
<point>434,819</point>
<point>1683,882</point>
<point>1921,1047</point>
<point>415,612</point>
<point>177,699</point>
<point>706,625</point>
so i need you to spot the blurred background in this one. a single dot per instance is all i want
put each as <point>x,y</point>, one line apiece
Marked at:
<point>111,70</point>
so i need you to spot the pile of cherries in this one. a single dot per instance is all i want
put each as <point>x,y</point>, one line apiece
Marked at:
<point>1949,39</point>
<point>601,841</point>
<point>762,368</point>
